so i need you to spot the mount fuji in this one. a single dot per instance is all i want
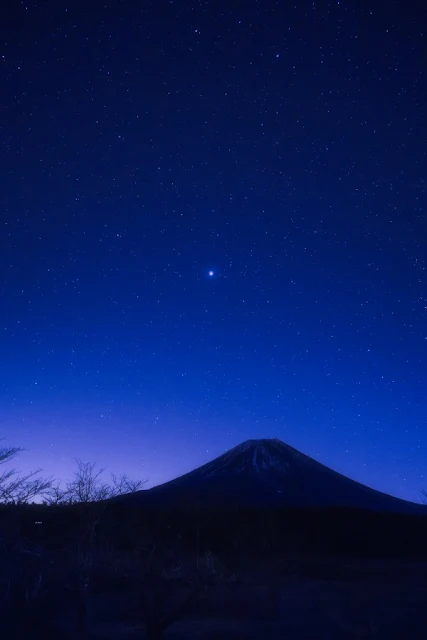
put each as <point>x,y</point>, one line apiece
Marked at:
<point>269,473</point>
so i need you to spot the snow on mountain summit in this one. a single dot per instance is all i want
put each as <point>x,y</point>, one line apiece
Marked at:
<point>253,456</point>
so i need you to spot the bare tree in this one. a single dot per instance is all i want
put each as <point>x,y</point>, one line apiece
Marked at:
<point>88,486</point>
<point>89,489</point>
<point>20,488</point>
<point>91,492</point>
<point>57,495</point>
<point>123,484</point>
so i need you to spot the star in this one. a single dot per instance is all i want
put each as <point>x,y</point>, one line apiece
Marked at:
<point>211,274</point>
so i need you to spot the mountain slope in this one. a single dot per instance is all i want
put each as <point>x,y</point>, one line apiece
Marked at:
<point>262,473</point>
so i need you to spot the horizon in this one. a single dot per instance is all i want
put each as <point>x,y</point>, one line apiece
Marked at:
<point>213,223</point>
<point>149,484</point>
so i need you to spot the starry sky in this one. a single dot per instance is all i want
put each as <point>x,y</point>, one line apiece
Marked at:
<point>213,228</point>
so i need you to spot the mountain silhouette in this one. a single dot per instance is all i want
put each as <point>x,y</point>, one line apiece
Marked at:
<point>269,473</point>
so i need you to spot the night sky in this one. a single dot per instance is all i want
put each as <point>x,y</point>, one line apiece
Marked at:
<point>213,228</point>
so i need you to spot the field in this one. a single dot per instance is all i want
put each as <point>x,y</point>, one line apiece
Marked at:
<point>163,581</point>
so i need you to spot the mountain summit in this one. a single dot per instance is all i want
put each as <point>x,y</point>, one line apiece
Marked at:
<point>270,473</point>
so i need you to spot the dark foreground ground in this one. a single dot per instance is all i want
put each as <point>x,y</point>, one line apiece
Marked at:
<point>126,583</point>
<point>304,609</point>
<point>372,599</point>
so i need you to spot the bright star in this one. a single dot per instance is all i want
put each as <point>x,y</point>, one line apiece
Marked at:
<point>211,274</point>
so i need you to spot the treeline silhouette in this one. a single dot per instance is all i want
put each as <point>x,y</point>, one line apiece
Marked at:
<point>122,526</point>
